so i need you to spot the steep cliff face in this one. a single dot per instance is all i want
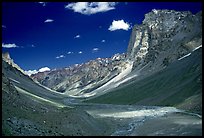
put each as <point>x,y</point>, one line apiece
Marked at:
<point>163,37</point>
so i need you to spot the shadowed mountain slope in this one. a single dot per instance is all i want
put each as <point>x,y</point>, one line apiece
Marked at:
<point>170,87</point>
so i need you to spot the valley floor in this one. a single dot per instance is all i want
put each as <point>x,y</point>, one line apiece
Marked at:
<point>175,124</point>
<point>130,120</point>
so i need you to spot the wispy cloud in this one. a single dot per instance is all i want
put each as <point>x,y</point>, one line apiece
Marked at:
<point>48,21</point>
<point>30,45</point>
<point>33,46</point>
<point>9,45</point>
<point>94,50</point>
<point>43,69</point>
<point>80,52</point>
<point>77,36</point>
<point>103,41</point>
<point>3,26</point>
<point>89,8</point>
<point>120,24</point>
<point>70,52</point>
<point>42,3</point>
<point>61,56</point>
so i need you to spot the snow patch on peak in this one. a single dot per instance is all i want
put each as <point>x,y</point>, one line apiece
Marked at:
<point>116,57</point>
<point>197,47</point>
<point>155,11</point>
<point>185,56</point>
<point>190,53</point>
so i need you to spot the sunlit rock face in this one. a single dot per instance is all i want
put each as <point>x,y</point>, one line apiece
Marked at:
<point>93,74</point>
<point>6,57</point>
<point>163,37</point>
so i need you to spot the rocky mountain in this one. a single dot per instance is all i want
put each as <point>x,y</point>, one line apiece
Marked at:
<point>6,57</point>
<point>85,77</point>
<point>156,84</point>
<point>162,38</point>
<point>178,85</point>
<point>29,109</point>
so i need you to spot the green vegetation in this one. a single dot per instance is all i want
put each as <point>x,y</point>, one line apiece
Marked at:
<point>168,87</point>
<point>30,110</point>
<point>6,132</point>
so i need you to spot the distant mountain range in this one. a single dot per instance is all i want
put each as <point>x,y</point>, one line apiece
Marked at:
<point>162,67</point>
<point>162,38</point>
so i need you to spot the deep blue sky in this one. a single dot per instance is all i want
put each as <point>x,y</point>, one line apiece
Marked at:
<point>40,43</point>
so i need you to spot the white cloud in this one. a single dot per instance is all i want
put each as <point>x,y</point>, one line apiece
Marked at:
<point>95,50</point>
<point>70,52</point>
<point>9,45</point>
<point>32,45</point>
<point>61,56</point>
<point>44,69</point>
<point>30,72</point>
<point>77,36</point>
<point>80,52</point>
<point>43,3</point>
<point>103,41</point>
<point>89,8</point>
<point>3,26</point>
<point>120,24</point>
<point>48,21</point>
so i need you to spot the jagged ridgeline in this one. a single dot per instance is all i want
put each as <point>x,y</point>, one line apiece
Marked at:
<point>163,37</point>
<point>156,84</point>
